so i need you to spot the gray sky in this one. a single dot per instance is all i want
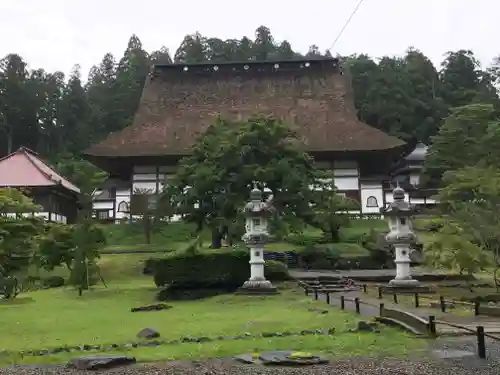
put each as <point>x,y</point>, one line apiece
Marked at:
<point>56,34</point>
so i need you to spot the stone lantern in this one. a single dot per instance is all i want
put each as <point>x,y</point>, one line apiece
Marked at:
<point>256,235</point>
<point>399,214</point>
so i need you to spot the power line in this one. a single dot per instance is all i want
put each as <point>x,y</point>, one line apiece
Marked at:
<point>346,24</point>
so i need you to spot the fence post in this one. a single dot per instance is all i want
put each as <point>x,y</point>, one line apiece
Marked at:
<point>442,303</point>
<point>327,298</point>
<point>476,308</point>
<point>381,309</point>
<point>306,290</point>
<point>379,292</point>
<point>432,325</point>
<point>395,297</point>
<point>342,302</point>
<point>417,301</point>
<point>481,343</point>
<point>356,303</point>
<point>316,294</point>
<point>364,288</point>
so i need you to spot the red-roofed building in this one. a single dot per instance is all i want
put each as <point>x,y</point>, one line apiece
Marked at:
<point>55,194</point>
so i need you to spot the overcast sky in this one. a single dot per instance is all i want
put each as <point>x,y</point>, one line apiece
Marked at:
<point>56,34</point>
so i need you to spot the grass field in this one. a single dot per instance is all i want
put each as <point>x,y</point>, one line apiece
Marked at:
<point>58,317</point>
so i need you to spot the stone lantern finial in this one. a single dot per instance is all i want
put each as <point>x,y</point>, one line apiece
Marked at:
<point>255,194</point>
<point>398,193</point>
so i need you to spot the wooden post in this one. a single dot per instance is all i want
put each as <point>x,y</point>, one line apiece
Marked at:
<point>481,343</point>
<point>327,298</point>
<point>364,288</point>
<point>356,303</point>
<point>379,292</point>
<point>417,301</point>
<point>476,308</point>
<point>316,294</point>
<point>342,302</point>
<point>442,303</point>
<point>395,297</point>
<point>381,309</point>
<point>432,325</point>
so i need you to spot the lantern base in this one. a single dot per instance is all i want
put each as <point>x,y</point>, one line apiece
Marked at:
<point>406,286</point>
<point>257,288</point>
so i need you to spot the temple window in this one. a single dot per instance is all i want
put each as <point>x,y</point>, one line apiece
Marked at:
<point>371,202</point>
<point>123,207</point>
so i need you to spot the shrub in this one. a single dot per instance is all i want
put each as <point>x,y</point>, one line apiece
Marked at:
<point>303,239</point>
<point>53,282</point>
<point>320,256</point>
<point>429,225</point>
<point>223,269</point>
<point>276,271</point>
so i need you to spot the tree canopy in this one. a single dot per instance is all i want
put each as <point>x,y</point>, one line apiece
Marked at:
<point>212,184</point>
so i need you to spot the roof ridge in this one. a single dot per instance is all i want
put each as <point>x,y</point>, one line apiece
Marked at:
<point>30,153</point>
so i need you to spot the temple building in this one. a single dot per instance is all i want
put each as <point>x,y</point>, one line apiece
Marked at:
<point>57,196</point>
<point>179,102</point>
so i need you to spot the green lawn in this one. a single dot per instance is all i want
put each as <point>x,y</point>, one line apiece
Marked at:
<point>58,317</point>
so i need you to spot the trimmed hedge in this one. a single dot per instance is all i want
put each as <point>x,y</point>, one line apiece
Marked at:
<point>211,270</point>
<point>201,270</point>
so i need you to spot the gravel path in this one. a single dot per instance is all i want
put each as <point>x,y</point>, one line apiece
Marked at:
<point>356,366</point>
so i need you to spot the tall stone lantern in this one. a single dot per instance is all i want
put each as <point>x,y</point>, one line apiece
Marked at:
<point>256,235</point>
<point>399,214</point>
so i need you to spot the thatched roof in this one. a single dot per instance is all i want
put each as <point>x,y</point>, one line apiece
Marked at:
<point>180,101</point>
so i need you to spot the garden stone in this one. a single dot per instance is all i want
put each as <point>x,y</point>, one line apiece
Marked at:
<point>364,327</point>
<point>307,332</point>
<point>268,334</point>
<point>285,358</point>
<point>100,362</point>
<point>148,333</point>
<point>321,311</point>
<point>156,307</point>
<point>246,358</point>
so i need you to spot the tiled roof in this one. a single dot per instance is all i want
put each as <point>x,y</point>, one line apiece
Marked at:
<point>24,168</point>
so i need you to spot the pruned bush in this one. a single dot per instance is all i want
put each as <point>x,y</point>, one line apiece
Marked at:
<point>320,256</point>
<point>276,271</point>
<point>201,270</point>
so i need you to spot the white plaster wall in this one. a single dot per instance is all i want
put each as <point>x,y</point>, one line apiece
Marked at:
<point>414,179</point>
<point>346,183</point>
<point>106,205</point>
<point>371,190</point>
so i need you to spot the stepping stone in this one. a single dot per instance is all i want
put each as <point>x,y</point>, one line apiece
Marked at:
<point>452,353</point>
<point>280,358</point>
<point>100,362</point>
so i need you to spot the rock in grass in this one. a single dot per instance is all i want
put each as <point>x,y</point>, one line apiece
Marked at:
<point>99,362</point>
<point>148,333</point>
<point>321,311</point>
<point>156,307</point>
